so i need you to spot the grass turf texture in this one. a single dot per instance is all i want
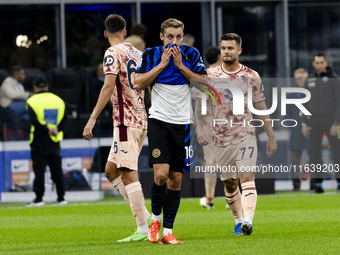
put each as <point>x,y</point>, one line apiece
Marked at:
<point>285,223</point>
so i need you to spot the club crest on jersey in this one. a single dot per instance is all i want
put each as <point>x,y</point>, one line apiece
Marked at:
<point>156,153</point>
<point>109,60</point>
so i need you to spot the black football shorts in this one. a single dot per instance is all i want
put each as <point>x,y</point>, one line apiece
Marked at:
<point>170,143</point>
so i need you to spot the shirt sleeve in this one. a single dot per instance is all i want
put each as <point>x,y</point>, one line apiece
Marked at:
<point>13,92</point>
<point>111,63</point>
<point>143,66</point>
<point>196,62</point>
<point>257,88</point>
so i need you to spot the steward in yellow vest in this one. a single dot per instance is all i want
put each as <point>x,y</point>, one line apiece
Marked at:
<point>47,116</point>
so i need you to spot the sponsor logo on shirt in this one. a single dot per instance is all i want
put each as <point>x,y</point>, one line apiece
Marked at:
<point>138,109</point>
<point>109,60</point>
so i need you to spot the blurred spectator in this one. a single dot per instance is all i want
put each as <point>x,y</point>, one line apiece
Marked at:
<point>213,56</point>
<point>297,142</point>
<point>13,94</point>
<point>324,106</point>
<point>188,40</point>
<point>136,37</point>
<point>47,116</point>
<point>96,84</point>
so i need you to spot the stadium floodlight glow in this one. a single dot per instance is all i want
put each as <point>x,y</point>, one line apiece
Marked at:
<point>21,40</point>
<point>41,39</point>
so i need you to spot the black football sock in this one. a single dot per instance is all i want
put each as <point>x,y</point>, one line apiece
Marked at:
<point>171,205</point>
<point>157,198</point>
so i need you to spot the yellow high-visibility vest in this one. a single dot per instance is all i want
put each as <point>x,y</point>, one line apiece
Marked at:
<point>50,110</point>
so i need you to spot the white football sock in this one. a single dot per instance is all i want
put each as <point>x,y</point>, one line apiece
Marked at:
<point>249,220</point>
<point>147,213</point>
<point>166,231</point>
<point>156,217</point>
<point>239,220</point>
<point>143,229</point>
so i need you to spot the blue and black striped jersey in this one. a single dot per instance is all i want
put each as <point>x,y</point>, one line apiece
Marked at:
<point>191,58</point>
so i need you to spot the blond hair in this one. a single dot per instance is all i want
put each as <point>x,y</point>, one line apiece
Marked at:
<point>171,23</point>
<point>300,70</point>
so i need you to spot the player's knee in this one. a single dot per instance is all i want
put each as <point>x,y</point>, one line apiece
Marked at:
<point>174,185</point>
<point>128,176</point>
<point>110,174</point>
<point>230,185</point>
<point>175,181</point>
<point>161,178</point>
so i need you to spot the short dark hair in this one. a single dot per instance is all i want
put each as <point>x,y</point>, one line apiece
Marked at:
<point>40,82</point>
<point>14,69</point>
<point>231,37</point>
<point>319,54</point>
<point>138,29</point>
<point>212,54</point>
<point>114,23</point>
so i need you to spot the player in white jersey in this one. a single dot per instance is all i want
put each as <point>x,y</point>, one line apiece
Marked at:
<point>234,138</point>
<point>129,121</point>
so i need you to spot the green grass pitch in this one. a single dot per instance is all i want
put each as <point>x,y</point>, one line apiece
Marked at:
<point>285,223</point>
